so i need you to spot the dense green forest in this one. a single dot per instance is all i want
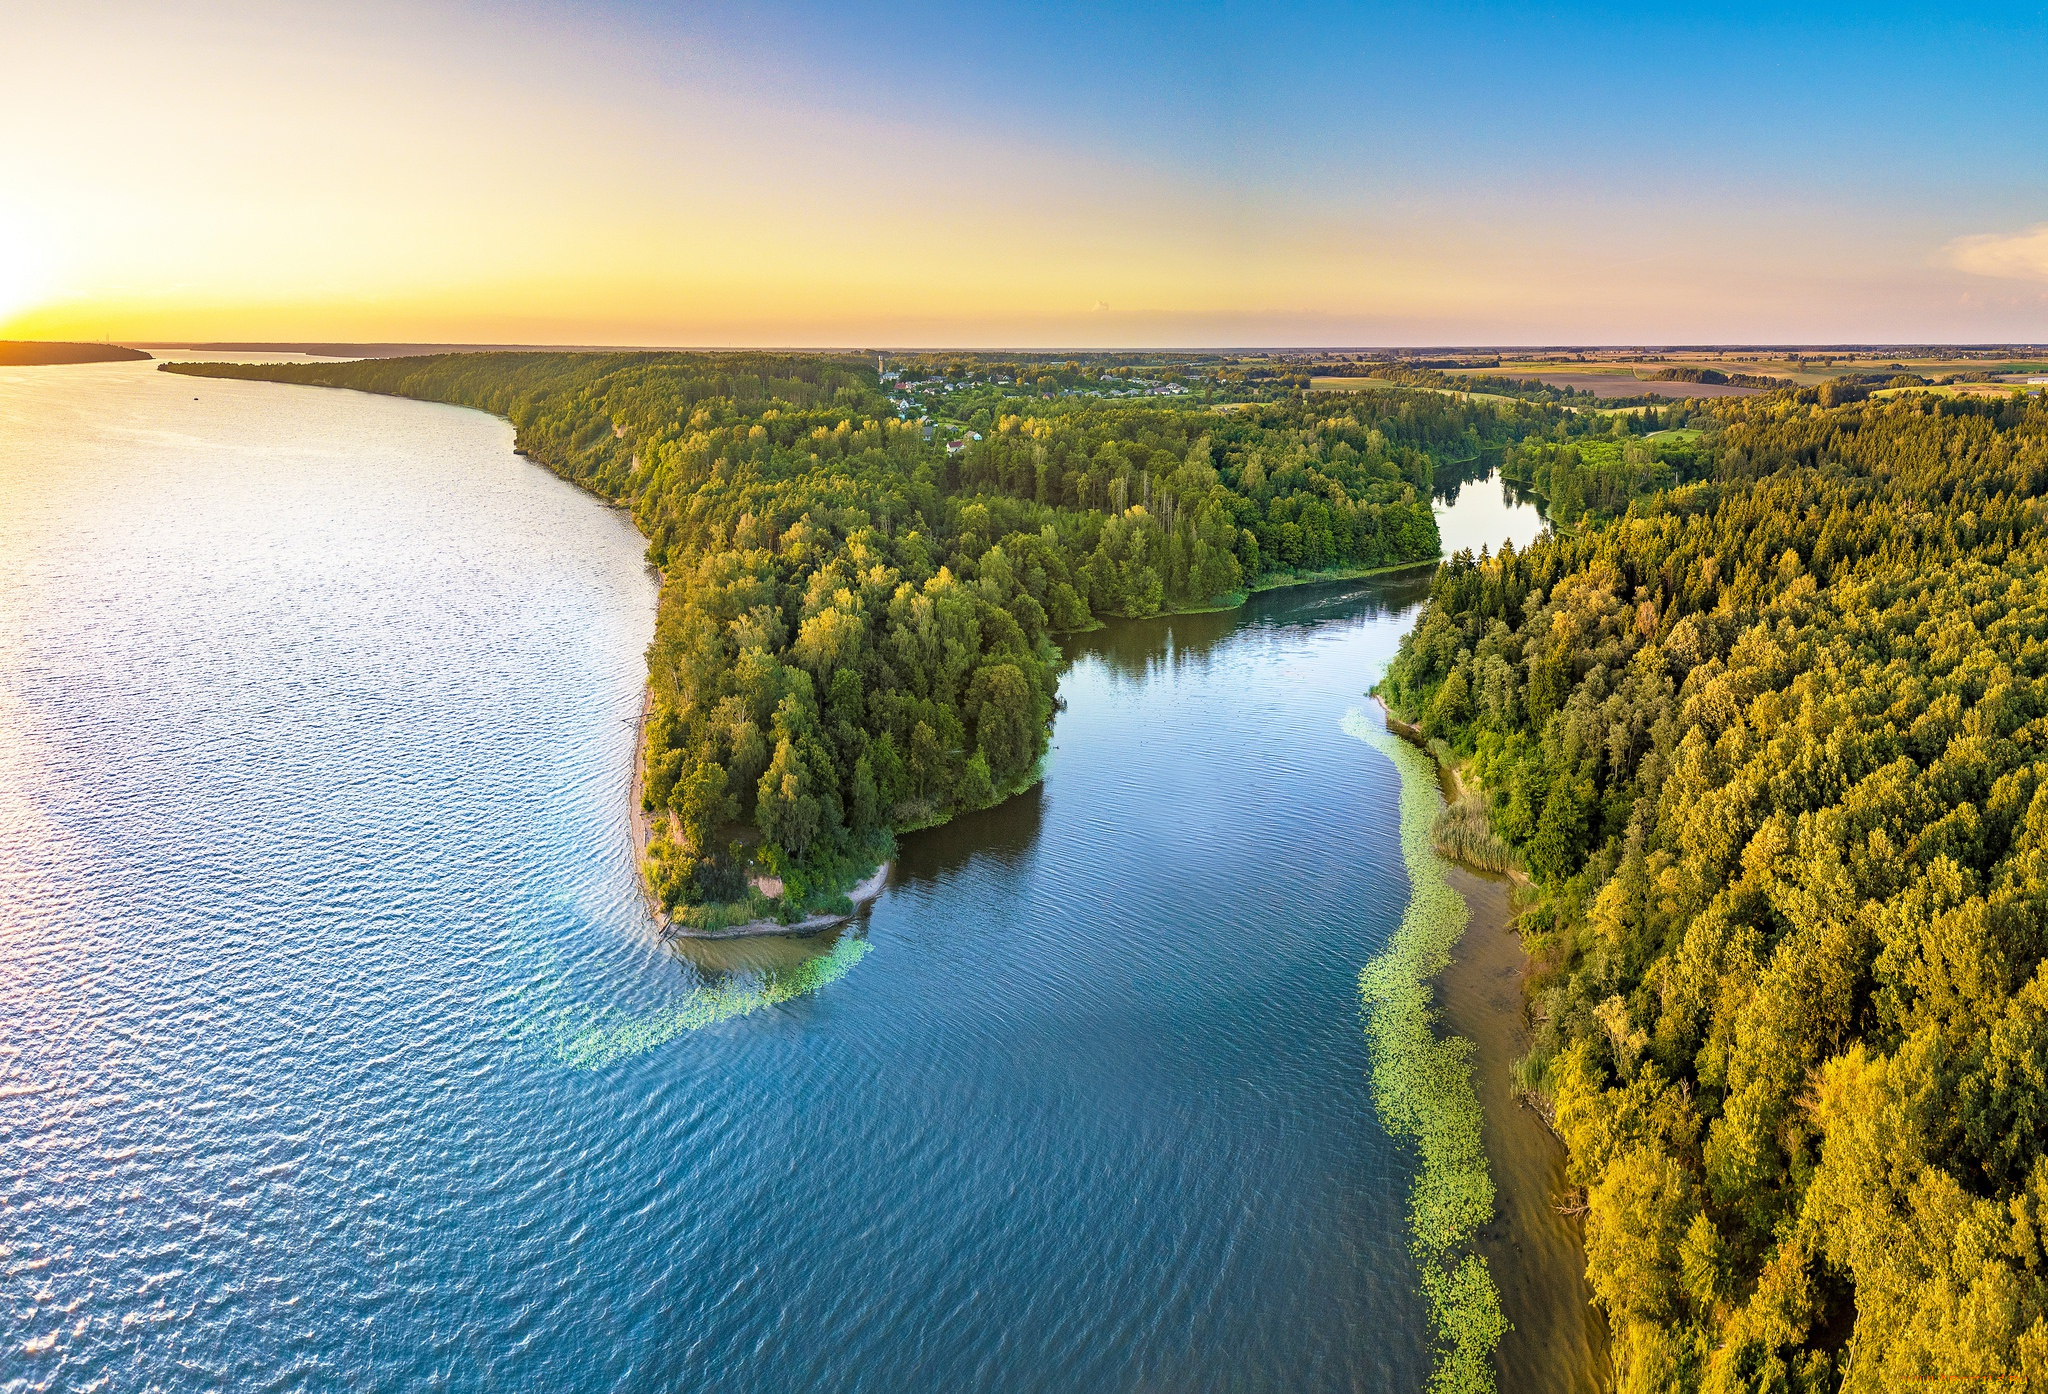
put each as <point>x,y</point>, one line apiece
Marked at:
<point>855,633</point>
<point>1601,474</point>
<point>1772,739</point>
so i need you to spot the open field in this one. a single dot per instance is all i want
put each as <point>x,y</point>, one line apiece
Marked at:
<point>1965,389</point>
<point>1614,382</point>
<point>1352,384</point>
<point>1382,385</point>
<point>1805,369</point>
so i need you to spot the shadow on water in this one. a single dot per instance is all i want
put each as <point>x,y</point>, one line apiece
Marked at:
<point>1482,510</point>
<point>1002,837</point>
<point>1450,476</point>
<point>718,960</point>
<point>1002,840</point>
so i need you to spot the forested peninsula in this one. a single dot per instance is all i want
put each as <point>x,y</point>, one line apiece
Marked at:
<point>1768,727</point>
<point>37,353</point>
<point>855,633</point>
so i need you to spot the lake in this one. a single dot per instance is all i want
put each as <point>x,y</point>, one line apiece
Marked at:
<point>337,1048</point>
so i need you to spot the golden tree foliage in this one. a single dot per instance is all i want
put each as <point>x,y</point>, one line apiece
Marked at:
<point>1775,745</point>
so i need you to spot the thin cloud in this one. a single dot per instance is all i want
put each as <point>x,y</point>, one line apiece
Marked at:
<point>2014,255</point>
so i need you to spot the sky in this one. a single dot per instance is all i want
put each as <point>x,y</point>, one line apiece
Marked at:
<point>1050,176</point>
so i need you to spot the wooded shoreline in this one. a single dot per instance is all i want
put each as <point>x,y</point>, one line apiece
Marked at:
<point>1534,1244</point>
<point>861,895</point>
<point>870,889</point>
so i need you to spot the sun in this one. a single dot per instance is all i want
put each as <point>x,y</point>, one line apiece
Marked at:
<point>25,269</point>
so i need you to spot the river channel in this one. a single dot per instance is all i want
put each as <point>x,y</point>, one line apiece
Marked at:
<point>336,1048</point>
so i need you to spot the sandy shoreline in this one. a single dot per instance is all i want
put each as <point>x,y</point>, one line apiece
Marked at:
<point>1447,779</point>
<point>860,895</point>
<point>643,829</point>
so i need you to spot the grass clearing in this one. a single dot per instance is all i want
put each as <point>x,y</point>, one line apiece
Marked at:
<point>1993,390</point>
<point>1463,833</point>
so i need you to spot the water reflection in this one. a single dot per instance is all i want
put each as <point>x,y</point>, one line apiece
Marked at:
<point>1001,839</point>
<point>995,841</point>
<point>1135,650</point>
<point>1485,510</point>
<point>1450,476</point>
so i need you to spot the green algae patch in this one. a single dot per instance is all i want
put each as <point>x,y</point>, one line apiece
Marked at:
<point>614,1036</point>
<point>1422,1086</point>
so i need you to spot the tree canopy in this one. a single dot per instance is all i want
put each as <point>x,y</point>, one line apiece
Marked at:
<point>1773,743</point>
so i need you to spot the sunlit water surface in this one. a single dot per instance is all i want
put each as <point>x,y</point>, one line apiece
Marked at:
<point>336,1049</point>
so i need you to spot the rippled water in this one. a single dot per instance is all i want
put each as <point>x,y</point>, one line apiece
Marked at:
<point>335,1049</point>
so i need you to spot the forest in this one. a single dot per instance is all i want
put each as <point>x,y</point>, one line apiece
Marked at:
<point>1600,474</point>
<point>855,634</point>
<point>1768,732</point>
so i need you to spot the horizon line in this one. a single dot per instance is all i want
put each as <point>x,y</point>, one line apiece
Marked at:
<point>300,345</point>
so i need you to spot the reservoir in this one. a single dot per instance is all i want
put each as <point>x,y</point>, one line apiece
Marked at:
<point>337,1049</point>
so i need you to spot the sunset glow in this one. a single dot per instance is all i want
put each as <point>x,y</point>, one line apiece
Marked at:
<point>24,263</point>
<point>618,174</point>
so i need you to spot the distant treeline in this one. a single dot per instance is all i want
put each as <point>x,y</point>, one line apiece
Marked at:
<point>856,631</point>
<point>1717,377</point>
<point>20,353</point>
<point>1772,738</point>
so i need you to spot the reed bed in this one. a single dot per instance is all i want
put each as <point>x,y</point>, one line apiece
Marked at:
<point>1463,833</point>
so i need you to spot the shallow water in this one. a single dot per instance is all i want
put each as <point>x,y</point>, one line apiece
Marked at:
<point>1559,1341</point>
<point>335,1047</point>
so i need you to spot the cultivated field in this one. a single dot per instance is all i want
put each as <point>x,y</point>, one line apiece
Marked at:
<point>1616,382</point>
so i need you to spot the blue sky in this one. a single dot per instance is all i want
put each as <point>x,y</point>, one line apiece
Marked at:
<point>1849,97</point>
<point>787,172</point>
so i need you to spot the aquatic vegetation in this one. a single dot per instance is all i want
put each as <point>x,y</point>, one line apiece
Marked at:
<point>590,1044</point>
<point>1422,1086</point>
<point>1463,833</point>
